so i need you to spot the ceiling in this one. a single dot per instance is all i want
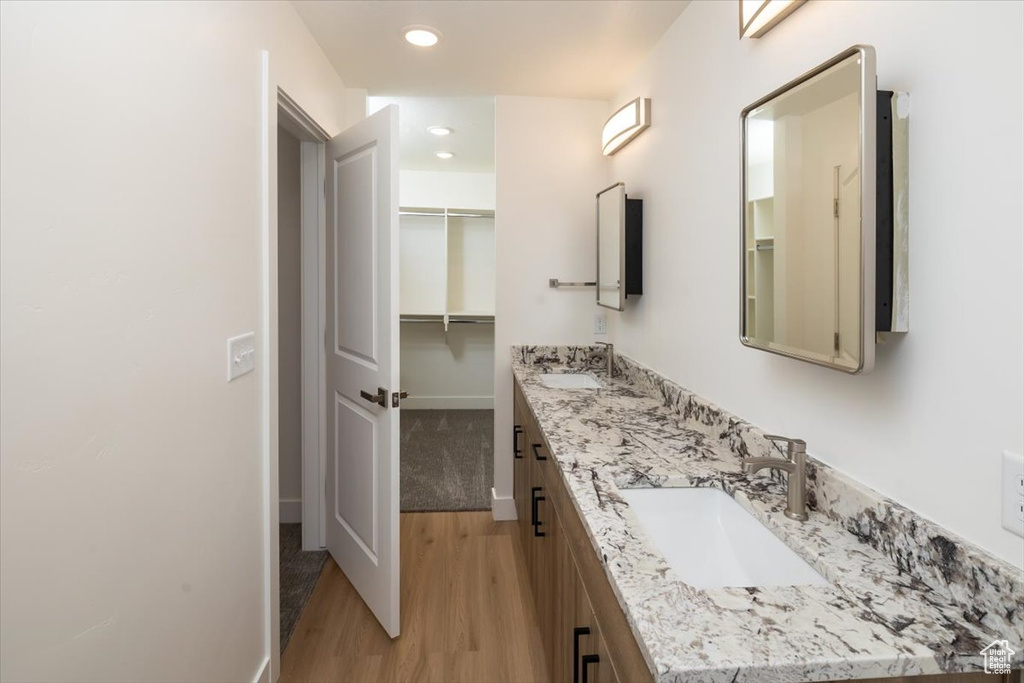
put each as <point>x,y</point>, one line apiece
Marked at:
<point>554,48</point>
<point>471,141</point>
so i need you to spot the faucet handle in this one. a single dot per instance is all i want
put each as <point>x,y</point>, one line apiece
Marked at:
<point>795,445</point>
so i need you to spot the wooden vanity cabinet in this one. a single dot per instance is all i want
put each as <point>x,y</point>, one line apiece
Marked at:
<point>566,575</point>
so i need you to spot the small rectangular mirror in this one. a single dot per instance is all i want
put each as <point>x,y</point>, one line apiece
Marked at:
<point>808,216</point>
<point>619,225</point>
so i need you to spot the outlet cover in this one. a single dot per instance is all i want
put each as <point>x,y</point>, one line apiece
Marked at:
<point>600,323</point>
<point>241,355</point>
<point>1013,492</point>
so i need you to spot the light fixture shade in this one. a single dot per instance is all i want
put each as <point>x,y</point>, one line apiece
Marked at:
<point>757,17</point>
<point>625,124</point>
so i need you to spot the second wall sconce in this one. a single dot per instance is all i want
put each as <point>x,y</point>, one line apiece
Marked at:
<point>625,124</point>
<point>757,17</point>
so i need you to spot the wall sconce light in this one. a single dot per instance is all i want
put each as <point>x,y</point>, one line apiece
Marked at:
<point>625,124</point>
<point>757,17</point>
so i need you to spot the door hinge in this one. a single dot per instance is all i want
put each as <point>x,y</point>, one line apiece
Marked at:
<point>835,342</point>
<point>835,208</point>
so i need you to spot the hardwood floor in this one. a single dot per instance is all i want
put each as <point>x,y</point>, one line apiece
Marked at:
<point>467,613</point>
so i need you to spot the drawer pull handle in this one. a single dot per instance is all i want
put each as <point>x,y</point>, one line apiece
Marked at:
<point>588,660</point>
<point>537,455</point>
<point>535,499</point>
<point>516,453</point>
<point>576,633</point>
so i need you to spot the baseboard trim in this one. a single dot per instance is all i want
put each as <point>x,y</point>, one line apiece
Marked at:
<point>263,675</point>
<point>290,511</point>
<point>503,507</point>
<point>449,403</point>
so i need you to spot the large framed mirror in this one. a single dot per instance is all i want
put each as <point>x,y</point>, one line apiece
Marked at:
<point>808,216</point>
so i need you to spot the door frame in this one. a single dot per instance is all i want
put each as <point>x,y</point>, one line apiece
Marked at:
<point>311,138</point>
<point>277,107</point>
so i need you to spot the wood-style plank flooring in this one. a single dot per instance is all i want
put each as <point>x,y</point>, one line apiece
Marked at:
<point>467,613</point>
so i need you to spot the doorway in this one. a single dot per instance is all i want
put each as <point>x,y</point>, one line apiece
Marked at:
<point>446,300</point>
<point>300,462</point>
<point>347,345</point>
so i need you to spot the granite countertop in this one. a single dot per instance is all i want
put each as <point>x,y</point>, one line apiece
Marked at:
<point>905,596</point>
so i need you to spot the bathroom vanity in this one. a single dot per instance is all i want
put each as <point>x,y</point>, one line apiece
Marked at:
<point>862,590</point>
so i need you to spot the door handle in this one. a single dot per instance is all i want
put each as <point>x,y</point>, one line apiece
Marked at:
<point>396,398</point>
<point>380,398</point>
<point>588,660</point>
<point>516,453</point>
<point>576,633</point>
<point>536,455</point>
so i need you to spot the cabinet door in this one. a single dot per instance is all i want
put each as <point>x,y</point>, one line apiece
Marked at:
<point>520,472</point>
<point>545,566</point>
<point>552,547</point>
<point>586,657</point>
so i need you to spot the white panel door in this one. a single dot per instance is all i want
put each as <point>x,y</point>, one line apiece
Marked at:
<point>362,360</point>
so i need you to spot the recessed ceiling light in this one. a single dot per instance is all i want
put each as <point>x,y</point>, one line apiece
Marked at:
<point>444,155</point>
<point>439,130</point>
<point>422,36</point>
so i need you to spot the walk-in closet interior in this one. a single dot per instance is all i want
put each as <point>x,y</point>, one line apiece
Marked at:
<point>446,300</point>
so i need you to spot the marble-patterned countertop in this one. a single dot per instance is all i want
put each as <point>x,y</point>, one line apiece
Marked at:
<point>875,619</point>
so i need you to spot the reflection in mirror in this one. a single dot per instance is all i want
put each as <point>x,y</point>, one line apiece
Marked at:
<point>803,248</point>
<point>611,216</point>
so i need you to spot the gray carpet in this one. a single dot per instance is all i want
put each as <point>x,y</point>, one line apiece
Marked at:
<point>299,572</point>
<point>447,460</point>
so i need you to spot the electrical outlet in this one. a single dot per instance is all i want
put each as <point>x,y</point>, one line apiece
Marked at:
<point>600,323</point>
<point>241,355</point>
<point>1013,492</point>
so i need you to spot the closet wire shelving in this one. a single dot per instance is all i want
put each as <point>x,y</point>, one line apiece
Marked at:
<point>447,318</point>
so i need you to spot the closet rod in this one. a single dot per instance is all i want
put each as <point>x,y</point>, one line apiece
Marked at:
<point>453,214</point>
<point>451,321</point>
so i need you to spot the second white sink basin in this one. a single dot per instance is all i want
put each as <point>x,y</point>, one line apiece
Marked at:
<point>712,542</point>
<point>569,380</point>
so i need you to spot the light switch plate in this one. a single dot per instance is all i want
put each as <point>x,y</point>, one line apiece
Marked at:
<point>600,323</point>
<point>1013,492</point>
<point>241,355</point>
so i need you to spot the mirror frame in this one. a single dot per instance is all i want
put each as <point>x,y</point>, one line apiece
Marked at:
<point>622,248</point>
<point>868,222</point>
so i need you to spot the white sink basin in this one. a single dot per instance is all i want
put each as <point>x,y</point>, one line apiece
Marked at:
<point>569,380</point>
<point>712,542</point>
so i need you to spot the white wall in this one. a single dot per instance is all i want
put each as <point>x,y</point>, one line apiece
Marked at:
<point>927,427</point>
<point>452,189</point>
<point>131,473</point>
<point>453,371</point>
<point>549,168</point>
<point>289,320</point>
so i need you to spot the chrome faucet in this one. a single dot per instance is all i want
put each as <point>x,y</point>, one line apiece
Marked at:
<point>609,356</point>
<point>795,464</point>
